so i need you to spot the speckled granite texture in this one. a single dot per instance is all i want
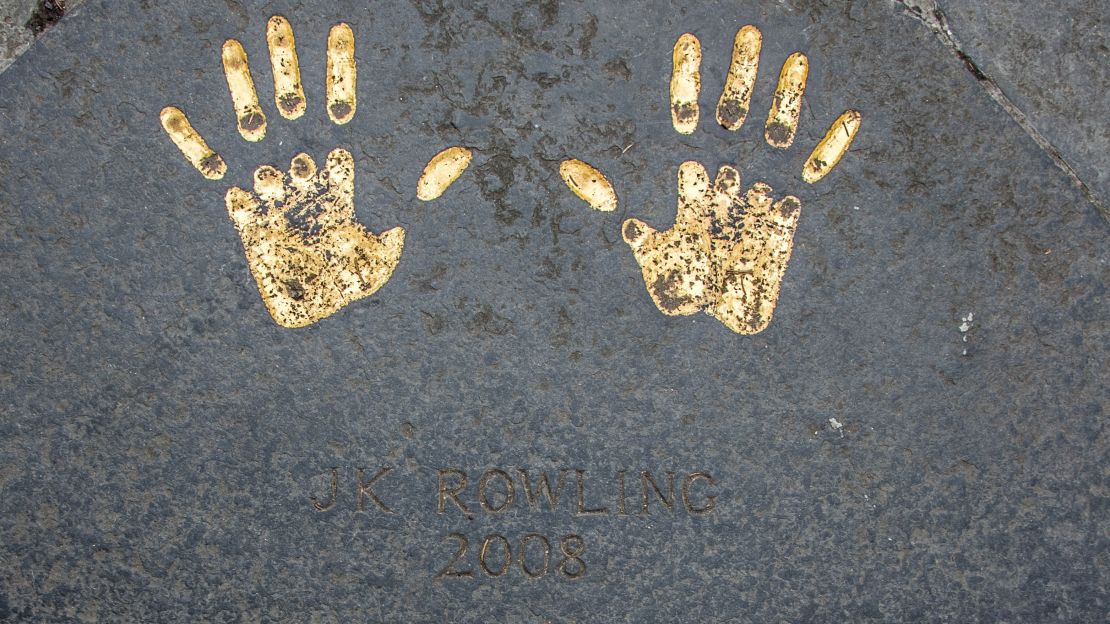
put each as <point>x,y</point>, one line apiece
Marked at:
<point>919,436</point>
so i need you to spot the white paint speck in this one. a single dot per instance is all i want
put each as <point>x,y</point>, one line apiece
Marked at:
<point>835,423</point>
<point>965,326</point>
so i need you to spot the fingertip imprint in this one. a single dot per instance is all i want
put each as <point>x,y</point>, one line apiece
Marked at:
<point>693,180</point>
<point>302,167</point>
<point>191,144</point>
<point>830,149</point>
<point>213,167</point>
<point>732,109</point>
<point>789,206</point>
<point>631,232</point>
<point>340,170</point>
<point>728,182</point>
<point>728,176</point>
<point>341,74</point>
<point>341,112</point>
<point>269,183</point>
<point>685,83</point>
<point>244,99</point>
<point>589,184</point>
<point>441,171</point>
<point>288,91</point>
<point>786,108</point>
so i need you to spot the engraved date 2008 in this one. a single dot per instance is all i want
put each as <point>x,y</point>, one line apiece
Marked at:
<point>531,554</point>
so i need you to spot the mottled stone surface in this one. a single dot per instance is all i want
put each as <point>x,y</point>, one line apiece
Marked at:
<point>1052,65</point>
<point>15,37</point>
<point>918,436</point>
<point>23,20</point>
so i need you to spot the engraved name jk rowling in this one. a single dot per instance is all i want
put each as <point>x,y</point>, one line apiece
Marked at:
<point>572,490</point>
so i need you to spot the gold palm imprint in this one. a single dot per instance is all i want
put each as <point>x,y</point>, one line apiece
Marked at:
<point>726,253</point>
<point>307,253</point>
<point>728,250</point>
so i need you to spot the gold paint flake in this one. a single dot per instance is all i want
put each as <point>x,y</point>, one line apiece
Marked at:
<point>443,169</point>
<point>685,83</point>
<point>726,253</point>
<point>248,114</point>
<point>589,184</point>
<point>306,252</point>
<point>782,121</point>
<point>288,92</point>
<point>196,151</point>
<point>341,86</point>
<point>736,98</point>
<point>828,152</point>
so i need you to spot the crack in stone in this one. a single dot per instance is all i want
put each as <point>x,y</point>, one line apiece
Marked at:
<point>928,12</point>
<point>46,14</point>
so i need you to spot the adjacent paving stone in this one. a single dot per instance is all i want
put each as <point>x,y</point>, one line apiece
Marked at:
<point>22,20</point>
<point>918,436</point>
<point>1052,64</point>
<point>15,37</point>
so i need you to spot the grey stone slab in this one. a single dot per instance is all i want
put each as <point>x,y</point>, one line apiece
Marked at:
<point>15,37</point>
<point>22,20</point>
<point>876,456</point>
<point>1051,62</point>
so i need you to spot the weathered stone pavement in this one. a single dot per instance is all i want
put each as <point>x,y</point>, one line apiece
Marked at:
<point>918,436</point>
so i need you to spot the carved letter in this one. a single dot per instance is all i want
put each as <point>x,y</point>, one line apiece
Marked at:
<point>543,488</point>
<point>582,511</point>
<point>647,480</point>
<point>316,504</point>
<point>710,500</point>
<point>620,492</point>
<point>510,493</point>
<point>366,489</point>
<point>452,492</point>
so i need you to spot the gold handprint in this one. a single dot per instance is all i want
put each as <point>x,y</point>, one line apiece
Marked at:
<point>727,251</point>
<point>307,254</point>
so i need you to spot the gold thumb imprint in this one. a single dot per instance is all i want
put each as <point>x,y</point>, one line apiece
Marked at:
<point>443,169</point>
<point>589,184</point>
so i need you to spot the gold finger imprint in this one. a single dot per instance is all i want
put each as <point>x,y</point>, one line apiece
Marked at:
<point>196,151</point>
<point>685,83</point>
<point>782,121</point>
<point>341,74</point>
<point>288,92</point>
<point>736,98</point>
<point>831,148</point>
<point>248,113</point>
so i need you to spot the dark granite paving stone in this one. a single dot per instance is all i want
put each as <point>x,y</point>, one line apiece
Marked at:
<point>1052,64</point>
<point>162,438</point>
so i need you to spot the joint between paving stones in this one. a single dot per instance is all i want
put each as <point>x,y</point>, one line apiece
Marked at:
<point>929,12</point>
